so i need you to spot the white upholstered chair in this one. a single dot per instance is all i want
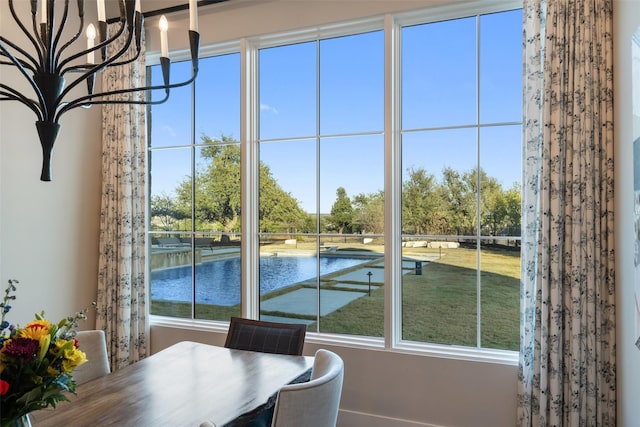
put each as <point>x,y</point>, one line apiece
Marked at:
<point>94,344</point>
<point>314,403</point>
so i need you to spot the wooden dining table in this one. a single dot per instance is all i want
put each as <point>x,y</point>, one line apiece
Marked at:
<point>182,385</point>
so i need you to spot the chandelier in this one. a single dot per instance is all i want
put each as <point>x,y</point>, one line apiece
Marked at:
<point>48,61</point>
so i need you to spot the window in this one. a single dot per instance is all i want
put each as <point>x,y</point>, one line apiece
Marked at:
<point>325,163</point>
<point>194,176</point>
<point>461,159</point>
<point>321,152</point>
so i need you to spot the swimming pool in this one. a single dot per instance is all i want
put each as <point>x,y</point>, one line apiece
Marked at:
<point>218,282</point>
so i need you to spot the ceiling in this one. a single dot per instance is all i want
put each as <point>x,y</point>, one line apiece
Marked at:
<point>156,5</point>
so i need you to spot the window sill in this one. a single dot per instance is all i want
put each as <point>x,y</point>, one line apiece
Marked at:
<point>502,357</point>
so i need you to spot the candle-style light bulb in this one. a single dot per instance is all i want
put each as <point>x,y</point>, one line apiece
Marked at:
<point>164,26</point>
<point>43,12</point>
<point>91,36</point>
<point>138,6</point>
<point>101,11</point>
<point>193,15</point>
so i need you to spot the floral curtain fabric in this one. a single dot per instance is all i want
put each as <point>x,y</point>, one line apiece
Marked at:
<point>121,277</point>
<point>567,343</point>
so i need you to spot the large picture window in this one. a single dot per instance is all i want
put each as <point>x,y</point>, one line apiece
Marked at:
<point>330,250</point>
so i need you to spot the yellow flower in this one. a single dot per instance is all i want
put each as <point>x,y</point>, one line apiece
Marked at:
<point>52,371</point>
<point>35,330</point>
<point>72,359</point>
<point>60,346</point>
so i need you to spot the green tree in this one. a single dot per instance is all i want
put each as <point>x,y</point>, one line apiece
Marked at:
<point>492,202</point>
<point>459,197</point>
<point>499,209</point>
<point>217,186</point>
<point>217,192</point>
<point>420,203</point>
<point>164,212</point>
<point>368,213</point>
<point>495,211</point>
<point>513,203</point>
<point>341,217</point>
<point>279,210</point>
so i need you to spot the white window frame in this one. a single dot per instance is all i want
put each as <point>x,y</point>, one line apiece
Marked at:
<point>249,113</point>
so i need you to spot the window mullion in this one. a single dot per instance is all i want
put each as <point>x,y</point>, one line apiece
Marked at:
<point>478,198</point>
<point>393,185</point>
<point>249,152</point>
<point>193,198</point>
<point>318,177</point>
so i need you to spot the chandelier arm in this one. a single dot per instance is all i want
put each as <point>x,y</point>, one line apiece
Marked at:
<point>61,70</point>
<point>33,41</point>
<point>20,68</point>
<point>127,61</point>
<point>135,57</point>
<point>129,18</point>
<point>98,67</point>
<point>194,42</point>
<point>138,28</point>
<point>78,33</point>
<point>22,62</point>
<point>79,102</point>
<point>37,36</point>
<point>48,36</point>
<point>63,21</point>
<point>83,68</point>
<point>120,102</point>
<point>14,95</point>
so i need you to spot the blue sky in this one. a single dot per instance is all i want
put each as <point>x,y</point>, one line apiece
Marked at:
<point>439,90</point>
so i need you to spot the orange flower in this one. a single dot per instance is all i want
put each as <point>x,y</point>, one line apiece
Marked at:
<point>35,330</point>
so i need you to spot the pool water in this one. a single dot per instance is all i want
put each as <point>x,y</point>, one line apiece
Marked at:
<point>218,282</point>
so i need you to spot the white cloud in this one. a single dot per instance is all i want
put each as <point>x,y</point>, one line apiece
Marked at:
<point>169,131</point>
<point>265,107</point>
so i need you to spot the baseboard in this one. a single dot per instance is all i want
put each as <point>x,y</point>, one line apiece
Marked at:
<point>360,419</point>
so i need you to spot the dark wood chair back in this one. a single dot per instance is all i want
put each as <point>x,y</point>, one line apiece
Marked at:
<point>266,337</point>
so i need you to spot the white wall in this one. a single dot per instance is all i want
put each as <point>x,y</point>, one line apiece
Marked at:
<point>48,230</point>
<point>626,21</point>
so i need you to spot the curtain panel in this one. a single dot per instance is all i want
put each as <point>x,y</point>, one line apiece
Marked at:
<point>567,369</point>
<point>121,277</point>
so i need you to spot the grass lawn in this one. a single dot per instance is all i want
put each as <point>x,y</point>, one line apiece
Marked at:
<point>438,306</point>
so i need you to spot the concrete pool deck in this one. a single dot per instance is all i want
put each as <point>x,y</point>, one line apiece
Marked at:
<point>303,302</point>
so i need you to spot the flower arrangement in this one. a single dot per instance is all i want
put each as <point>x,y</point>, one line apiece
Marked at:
<point>36,361</point>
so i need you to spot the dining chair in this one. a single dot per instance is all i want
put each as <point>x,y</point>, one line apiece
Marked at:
<point>314,403</point>
<point>266,337</point>
<point>94,344</point>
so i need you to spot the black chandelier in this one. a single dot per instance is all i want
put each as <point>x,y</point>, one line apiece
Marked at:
<point>46,63</point>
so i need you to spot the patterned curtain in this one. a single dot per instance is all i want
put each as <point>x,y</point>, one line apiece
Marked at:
<point>567,343</point>
<point>121,276</point>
